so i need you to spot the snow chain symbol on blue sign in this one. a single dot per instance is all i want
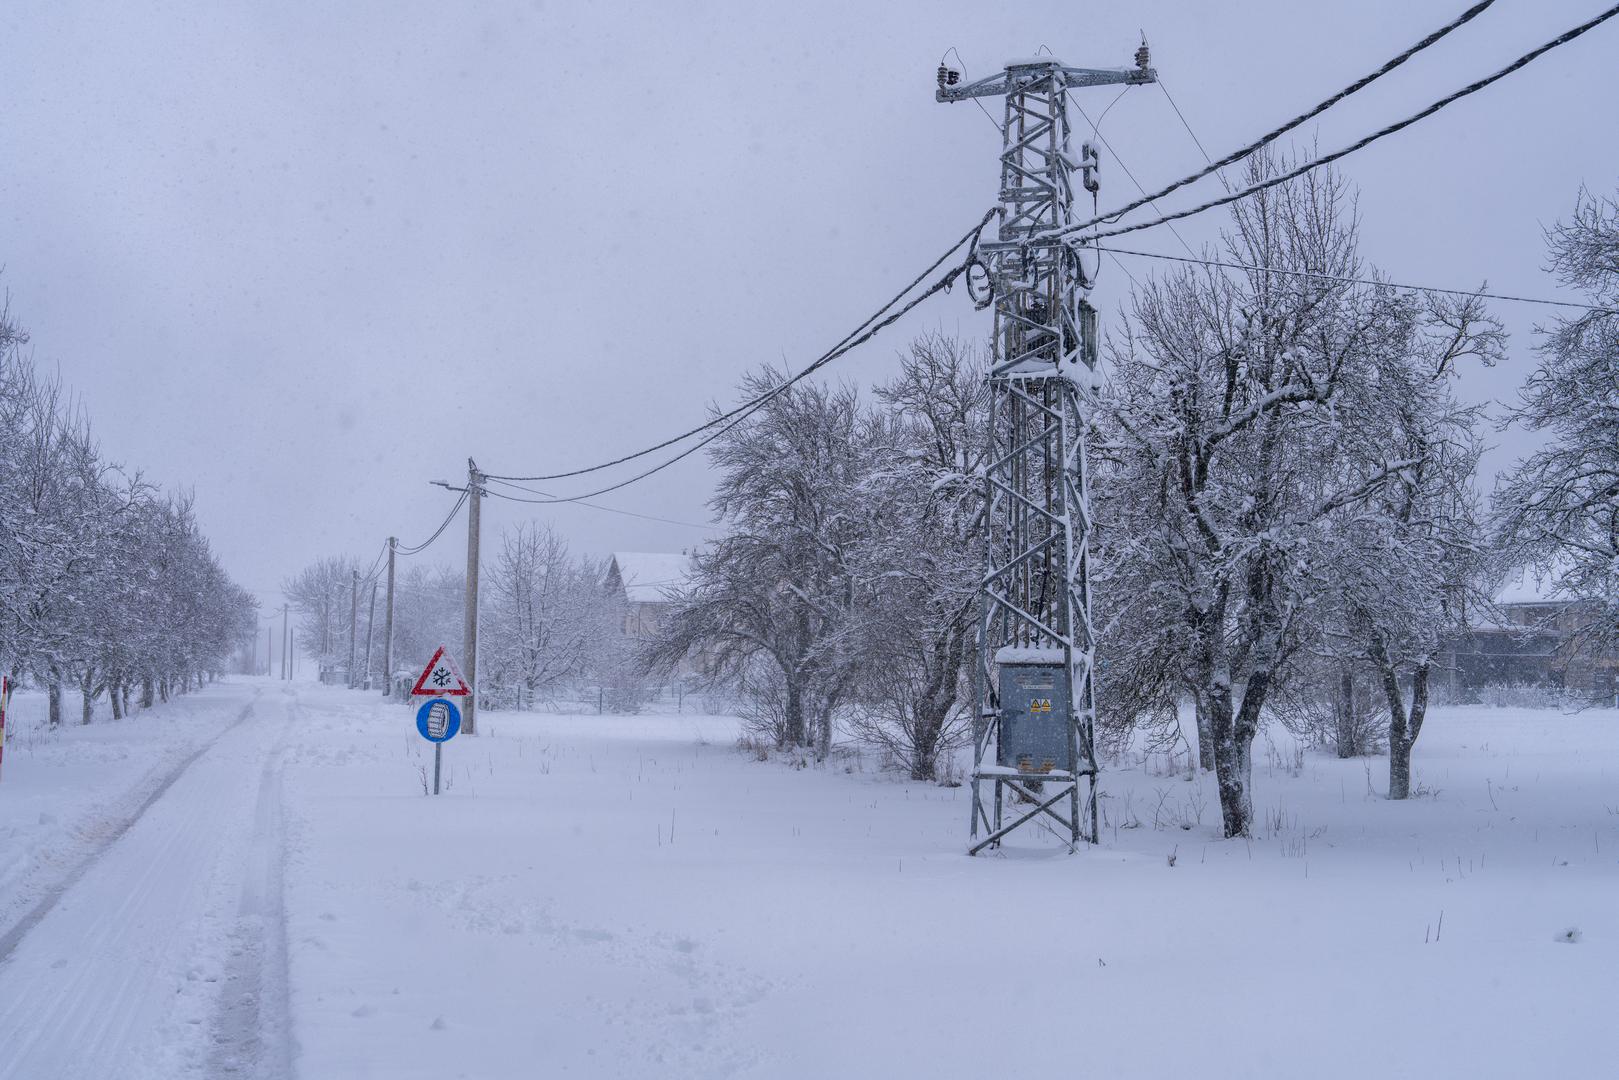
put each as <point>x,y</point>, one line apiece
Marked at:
<point>438,720</point>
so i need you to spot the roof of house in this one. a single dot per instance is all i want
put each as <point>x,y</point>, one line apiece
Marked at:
<point>1527,585</point>
<point>651,576</point>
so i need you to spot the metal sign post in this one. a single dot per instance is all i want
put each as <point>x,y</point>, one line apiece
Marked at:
<point>438,719</point>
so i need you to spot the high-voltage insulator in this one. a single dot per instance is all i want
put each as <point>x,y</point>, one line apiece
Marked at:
<point>948,76</point>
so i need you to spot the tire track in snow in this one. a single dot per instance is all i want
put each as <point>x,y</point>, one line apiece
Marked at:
<point>252,1029</point>
<point>12,937</point>
<point>118,977</point>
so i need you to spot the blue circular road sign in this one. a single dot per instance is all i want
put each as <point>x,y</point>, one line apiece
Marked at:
<point>438,720</point>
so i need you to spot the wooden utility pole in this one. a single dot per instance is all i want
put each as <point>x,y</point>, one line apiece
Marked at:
<point>269,647</point>
<point>388,625</point>
<point>370,622</point>
<point>286,636</point>
<point>474,494</point>
<point>354,622</point>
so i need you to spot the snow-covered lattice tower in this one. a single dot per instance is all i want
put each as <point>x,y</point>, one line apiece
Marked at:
<point>1034,704</point>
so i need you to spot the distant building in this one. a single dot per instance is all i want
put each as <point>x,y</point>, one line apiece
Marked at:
<point>647,583</point>
<point>1534,642</point>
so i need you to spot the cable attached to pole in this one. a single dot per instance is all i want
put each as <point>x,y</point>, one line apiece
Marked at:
<point>864,332</point>
<point>1399,125</point>
<point>1271,136</point>
<point>1343,280</point>
<point>414,549</point>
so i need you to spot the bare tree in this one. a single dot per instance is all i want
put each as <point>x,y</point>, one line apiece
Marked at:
<point>920,556</point>
<point>542,623</point>
<point>779,584</point>
<point>1219,460</point>
<point>1558,508</point>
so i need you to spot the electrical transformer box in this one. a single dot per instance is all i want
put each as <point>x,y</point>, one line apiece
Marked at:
<point>1036,706</point>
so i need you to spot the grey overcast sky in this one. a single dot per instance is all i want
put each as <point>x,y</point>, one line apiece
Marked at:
<point>306,257</point>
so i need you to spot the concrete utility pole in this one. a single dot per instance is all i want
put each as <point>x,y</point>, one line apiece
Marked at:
<point>388,625</point>
<point>474,494</point>
<point>1034,703</point>
<point>354,622</point>
<point>370,623</point>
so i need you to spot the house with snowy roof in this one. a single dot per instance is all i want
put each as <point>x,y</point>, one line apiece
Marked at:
<point>1532,637</point>
<point>647,584</point>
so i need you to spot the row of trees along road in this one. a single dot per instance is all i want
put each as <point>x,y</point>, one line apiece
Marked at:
<point>106,584</point>
<point>1285,505</point>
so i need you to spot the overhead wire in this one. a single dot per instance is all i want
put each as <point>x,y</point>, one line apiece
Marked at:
<point>736,416</point>
<point>1399,125</point>
<point>1342,279</point>
<point>1096,129</point>
<point>862,333</point>
<point>594,506</point>
<point>415,549</point>
<point>1304,117</point>
<point>1199,142</point>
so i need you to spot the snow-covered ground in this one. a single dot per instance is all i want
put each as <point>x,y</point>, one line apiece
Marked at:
<point>602,896</point>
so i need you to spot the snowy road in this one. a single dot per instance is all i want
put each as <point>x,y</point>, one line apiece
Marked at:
<point>600,896</point>
<point>161,955</point>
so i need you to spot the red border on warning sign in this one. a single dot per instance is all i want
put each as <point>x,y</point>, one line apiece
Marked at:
<point>459,690</point>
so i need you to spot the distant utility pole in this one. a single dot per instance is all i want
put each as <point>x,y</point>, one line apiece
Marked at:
<point>354,622</point>
<point>474,495</point>
<point>388,625</point>
<point>269,647</point>
<point>286,636</point>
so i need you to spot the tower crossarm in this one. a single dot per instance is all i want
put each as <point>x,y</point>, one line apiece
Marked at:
<point>1021,73</point>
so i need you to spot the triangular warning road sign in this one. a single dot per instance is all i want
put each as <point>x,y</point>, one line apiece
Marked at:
<point>439,678</point>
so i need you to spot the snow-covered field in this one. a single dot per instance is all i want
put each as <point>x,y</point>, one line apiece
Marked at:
<point>603,896</point>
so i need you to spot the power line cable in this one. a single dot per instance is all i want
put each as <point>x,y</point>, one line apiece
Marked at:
<point>1218,175</point>
<point>864,332</point>
<point>415,549</point>
<point>1271,136</point>
<point>594,506</point>
<point>742,412</point>
<point>371,574</point>
<point>1199,142</point>
<point>1365,281</point>
<point>1400,125</point>
<point>1096,129</point>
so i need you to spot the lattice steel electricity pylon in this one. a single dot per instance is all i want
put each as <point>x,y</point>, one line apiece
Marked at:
<point>1034,702</point>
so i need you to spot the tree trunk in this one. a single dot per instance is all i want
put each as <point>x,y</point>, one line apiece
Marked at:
<point>53,692</point>
<point>114,699</point>
<point>823,732</point>
<point>147,692</point>
<point>1404,728</point>
<point>1205,735</point>
<point>1231,774</point>
<point>794,733</point>
<point>1346,743</point>
<point>124,692</point>
<point>88,693</point>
